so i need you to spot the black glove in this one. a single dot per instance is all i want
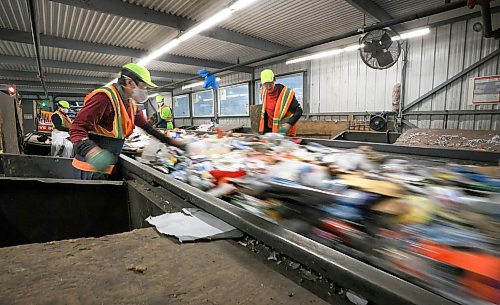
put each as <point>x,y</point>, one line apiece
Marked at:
<point>160,136</point>
<point>84,146</point>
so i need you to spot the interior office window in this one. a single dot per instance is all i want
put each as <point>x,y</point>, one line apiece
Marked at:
<point>294,81</point>
<point>203,103</point>
<point>234,100</point>
<point>181,106</point>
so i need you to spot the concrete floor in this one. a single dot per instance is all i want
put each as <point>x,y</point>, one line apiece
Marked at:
<point>101,271</point>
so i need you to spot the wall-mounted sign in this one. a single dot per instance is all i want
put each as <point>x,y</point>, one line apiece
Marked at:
<point>484,90</point>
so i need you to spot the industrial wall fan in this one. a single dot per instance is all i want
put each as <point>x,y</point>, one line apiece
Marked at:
<point>378,121</point>
<point>381,48</point>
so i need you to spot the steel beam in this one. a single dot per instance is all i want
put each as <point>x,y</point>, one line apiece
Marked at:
<point>450,80</point>
<point>371,9</point>
<point>132,11</point>
<point>444,153</point>
<point>49,84</point>
<point>71,44</point>
<point>48,63</point>
<point>53,92</point>
<point>454,112</point>
<point>55,77</point>
<point>409,124</point>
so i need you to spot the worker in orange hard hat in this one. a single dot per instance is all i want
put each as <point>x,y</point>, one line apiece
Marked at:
<point>108,116</point>
<point>280,109</point>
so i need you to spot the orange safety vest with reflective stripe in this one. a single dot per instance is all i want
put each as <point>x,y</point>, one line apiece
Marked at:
<point>65,120</point>
<point>281,111</point>
<point>123,123</point>
<point>124,120</point>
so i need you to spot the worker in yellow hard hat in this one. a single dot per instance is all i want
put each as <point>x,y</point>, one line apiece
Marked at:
<point>164,118</point>
<point>60,119</point>
<point>280,109</point>
<point>108,116</point>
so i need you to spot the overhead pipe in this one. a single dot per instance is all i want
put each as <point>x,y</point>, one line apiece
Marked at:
<point>36,43</point>
<point>380,25</point>
<point>486,14</point>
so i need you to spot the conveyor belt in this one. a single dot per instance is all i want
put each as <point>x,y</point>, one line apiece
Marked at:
<point>376,285</point>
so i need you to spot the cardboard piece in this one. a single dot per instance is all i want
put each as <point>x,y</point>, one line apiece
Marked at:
<point>385,188</point>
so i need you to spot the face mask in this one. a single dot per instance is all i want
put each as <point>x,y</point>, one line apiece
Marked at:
<point>64,110</point>
<point>139,95</point>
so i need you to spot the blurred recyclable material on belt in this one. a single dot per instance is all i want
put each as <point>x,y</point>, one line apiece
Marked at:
<point>434,224</point>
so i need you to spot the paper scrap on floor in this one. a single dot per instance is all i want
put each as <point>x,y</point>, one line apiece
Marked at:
<point>192,224</point>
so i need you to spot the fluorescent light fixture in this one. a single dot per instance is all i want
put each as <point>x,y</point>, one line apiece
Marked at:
<point>354,47</point>
<point>324,54</point>
<point>162,50</point>
<point>189,86</point>
<point>198,28</point>
<point>412,34</point>
<point>406,35</point>
<point>210,22</point>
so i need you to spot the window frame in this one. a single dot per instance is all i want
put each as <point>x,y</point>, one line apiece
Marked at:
<point>189,106</point>
<point>248,84</point>
<point>192,104</point>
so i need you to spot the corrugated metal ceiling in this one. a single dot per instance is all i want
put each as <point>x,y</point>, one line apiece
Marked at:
<point>170,67</point>
<point>16,49</point>
<point>83,57</point>
<point>404,7</point>
<point>191,9</point>
<point>75,23</point>
<point>296,22</point>
<point>14,15</point>
<point>213,49</point>
<point>28,68</point>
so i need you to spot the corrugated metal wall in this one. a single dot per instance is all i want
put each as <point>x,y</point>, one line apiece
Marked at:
<point>343,84</point>
<point>439,56</point>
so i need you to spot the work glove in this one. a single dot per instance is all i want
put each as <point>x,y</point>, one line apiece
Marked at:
<point>100,158</point>
<point>284,129</point>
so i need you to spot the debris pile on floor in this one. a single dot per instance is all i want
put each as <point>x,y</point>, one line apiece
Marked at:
<point>434,224</point>
<point>462,139</point>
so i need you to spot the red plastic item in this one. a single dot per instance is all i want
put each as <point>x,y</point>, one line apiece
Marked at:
<point>219,132</point>
<point>220,175</point>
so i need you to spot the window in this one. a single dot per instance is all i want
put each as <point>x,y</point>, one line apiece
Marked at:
<point>234,100</point>
<point>181,106</point>
<point>294,81</point>
<point>203,103</point>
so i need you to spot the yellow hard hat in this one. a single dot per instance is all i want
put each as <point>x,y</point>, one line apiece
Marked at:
<point>160,98</point>
<point>266,76</point>
<point>63,104</point>
<point>139,72</point>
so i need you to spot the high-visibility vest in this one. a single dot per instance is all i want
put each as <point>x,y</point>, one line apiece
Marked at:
<point>123,124</point>
<point>281,112</point>
<point>124,120</point>
<point>165,113</point>
<point>65,120</point>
